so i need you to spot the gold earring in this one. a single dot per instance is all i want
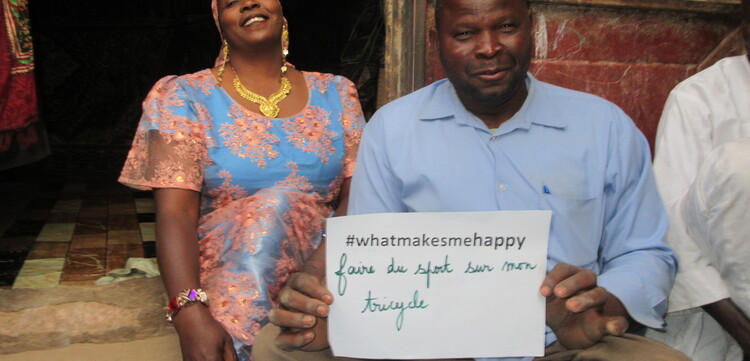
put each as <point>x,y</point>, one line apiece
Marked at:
<point>284,47</point>
<point>225,51</point>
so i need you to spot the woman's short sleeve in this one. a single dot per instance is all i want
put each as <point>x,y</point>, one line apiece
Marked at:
<point>353,121</point>
<point>169,148</point>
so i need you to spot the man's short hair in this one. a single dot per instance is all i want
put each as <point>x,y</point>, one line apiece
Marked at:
<point>439,8</point>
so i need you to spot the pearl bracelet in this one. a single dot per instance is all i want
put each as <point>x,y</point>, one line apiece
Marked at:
<point>185,298</point>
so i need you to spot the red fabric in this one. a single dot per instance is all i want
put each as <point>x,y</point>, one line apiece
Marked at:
<point>18,101</point>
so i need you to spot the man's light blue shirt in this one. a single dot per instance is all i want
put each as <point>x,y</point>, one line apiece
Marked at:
<point>575,154</point>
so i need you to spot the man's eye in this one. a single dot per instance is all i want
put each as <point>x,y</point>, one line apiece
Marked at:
<point>464,35</point>
<point>507,28</point>
<point>230,3</point>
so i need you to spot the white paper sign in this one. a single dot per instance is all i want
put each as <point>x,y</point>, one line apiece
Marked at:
<point>437,285</point>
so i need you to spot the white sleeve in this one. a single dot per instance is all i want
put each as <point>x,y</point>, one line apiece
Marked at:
<point>683,140</point>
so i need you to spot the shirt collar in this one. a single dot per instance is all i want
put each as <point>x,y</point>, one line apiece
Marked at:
<point>537,109</point>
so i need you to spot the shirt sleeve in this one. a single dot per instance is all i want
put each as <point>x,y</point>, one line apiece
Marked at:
<point>636,265</point>
<point>168,149</point>
<point>715,209</point>
<point>375,188</point>
<point>353,121</point>
<point>683,140</point>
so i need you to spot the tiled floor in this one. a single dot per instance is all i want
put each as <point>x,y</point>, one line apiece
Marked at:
<point>61,223</point>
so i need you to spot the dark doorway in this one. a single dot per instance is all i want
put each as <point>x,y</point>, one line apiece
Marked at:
<point>96,61</point>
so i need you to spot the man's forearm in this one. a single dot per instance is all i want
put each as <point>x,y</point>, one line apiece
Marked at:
<point>733,320</point>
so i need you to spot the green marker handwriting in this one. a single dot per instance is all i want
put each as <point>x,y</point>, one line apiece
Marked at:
<point>520,266</point>
<point>351,270</point>
<point>394,268</point>
<point>372,306</point>
<point>478,268</point>
<point>430,269</point>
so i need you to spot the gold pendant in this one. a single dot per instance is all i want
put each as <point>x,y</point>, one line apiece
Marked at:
<point>269,110</point>
<point>270,106</point>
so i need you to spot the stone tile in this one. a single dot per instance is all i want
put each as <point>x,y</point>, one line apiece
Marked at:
<point>62,217</point>
<point>68,282</point>
<point>93,211</point>
<point>135,250</point>
<point>85,264</point>
<point>56,232</point>
<point>124,237</point>
<point>42,250</point>
<point>146,217</point>
<point>117,255</point>
<point>91,225</point>
<point>149,249</point>
<point>145,205</point>
<point>40,273</point>
<point>67,206</point>
<point>125,222</point>
<point>120,197</point>
<point>117,209</point>
<point>148,231</point>
<point>93,200</point>
<point>98,240</point>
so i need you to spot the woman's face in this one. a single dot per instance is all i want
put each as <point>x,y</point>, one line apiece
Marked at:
<point>250,21</point>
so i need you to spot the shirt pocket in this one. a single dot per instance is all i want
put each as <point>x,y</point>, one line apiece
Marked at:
<point>576,228</point>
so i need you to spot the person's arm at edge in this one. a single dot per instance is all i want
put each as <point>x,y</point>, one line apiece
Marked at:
<point>177,250</point>
<point>733,320</point>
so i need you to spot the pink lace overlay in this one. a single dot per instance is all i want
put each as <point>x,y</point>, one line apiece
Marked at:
<point>240,299</point>
<point>351,118</point>
<point>266,184</point>
<point>169,150</point>
<point>321,81</point>
<point>248,136</point>
<point>309,132</point>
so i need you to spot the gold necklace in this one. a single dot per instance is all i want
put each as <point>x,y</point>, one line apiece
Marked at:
<point>269,107</point>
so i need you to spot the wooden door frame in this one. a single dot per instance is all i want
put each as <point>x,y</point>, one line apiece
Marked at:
<point>405,36</point>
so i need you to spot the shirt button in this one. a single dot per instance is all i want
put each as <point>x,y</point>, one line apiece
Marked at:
<point>502,187</point>
<point>495,138</point>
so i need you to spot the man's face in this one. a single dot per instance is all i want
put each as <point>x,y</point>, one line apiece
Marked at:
<point>485,47</point>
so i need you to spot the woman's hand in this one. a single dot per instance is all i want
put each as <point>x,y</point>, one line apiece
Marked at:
<point>201,337</point>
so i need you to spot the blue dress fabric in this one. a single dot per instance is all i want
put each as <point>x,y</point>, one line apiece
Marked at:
<point>266,184</point>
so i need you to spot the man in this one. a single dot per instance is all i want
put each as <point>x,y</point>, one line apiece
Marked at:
<point>492,137</point>
<point>702,168</point>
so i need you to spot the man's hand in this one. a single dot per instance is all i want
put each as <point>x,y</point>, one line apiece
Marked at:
<point>302,315</point>
<point>578,311</point>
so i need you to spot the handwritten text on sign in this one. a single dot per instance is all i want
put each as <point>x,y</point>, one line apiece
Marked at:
<point>437,285</point>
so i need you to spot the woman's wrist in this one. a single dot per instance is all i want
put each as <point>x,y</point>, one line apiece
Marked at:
<point>183,299</point>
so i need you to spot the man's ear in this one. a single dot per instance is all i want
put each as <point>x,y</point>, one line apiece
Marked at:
<point>434,37</point>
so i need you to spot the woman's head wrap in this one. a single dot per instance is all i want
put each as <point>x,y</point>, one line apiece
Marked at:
<point>215,11</point>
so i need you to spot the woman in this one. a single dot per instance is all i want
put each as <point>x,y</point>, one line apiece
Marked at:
<point>244,160</point>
